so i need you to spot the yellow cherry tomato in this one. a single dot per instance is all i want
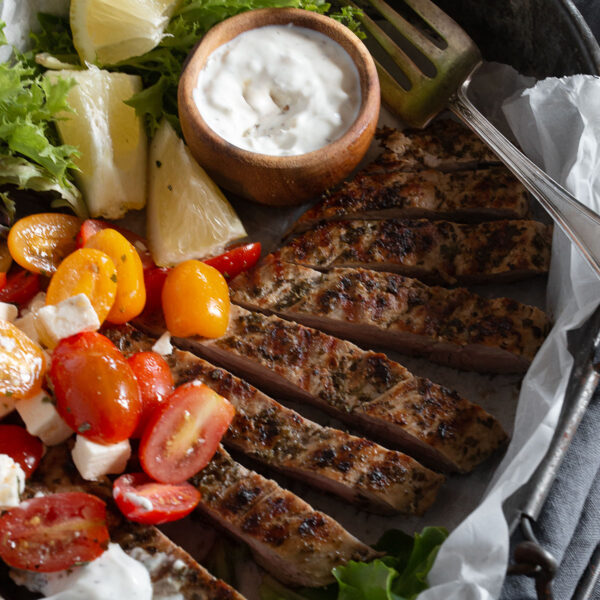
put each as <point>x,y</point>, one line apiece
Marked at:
<point>22,363</point>
<point>39,242</point>
<point>195,300</point>
<point>85,271</point>
<point>131,291</point>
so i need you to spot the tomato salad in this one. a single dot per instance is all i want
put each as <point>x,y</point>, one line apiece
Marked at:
<point>61,279</point>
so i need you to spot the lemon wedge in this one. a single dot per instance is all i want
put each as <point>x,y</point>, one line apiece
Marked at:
<point>110,138</point>
<point>106,32</point>
<point>187,214</point>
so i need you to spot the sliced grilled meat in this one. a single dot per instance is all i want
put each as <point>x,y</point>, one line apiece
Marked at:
<point>433,251</point>
<point>445,145</point>
<point>295,543</point>
<point>465,196</point>
<point>449,326</point>
<point>354,468</point>
<point>360,387</point>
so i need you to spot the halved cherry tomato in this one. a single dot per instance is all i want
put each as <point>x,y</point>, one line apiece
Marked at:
<point>21,446</point>
<point>183,433</point>
<point>39,242</point>
<point>155,381</point>
<point>154,280</point>
<point>21,286</point>
<point>131,291</point>
<point>86,271</point>
<point>169,501</point>
<point>53,533</point>
<point>92,226</point>
<point>195,300</point>
<point>22,363</point>
<point>236,260</point>
<point>5,257</point>
<point>2,280</point>
<point>96,391</point>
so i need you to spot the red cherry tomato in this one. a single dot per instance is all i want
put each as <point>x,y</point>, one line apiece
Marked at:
<point>169,501</point>
<point>154,280</point>
<point>236,260</point>
<point>53,533</point>
<point>21,446</point>
<point>91,227</point>
<point>183,434</point>
<point>21,286</point>
<point>96,391</point>
<point>2,280</point>
<point>155,382</point>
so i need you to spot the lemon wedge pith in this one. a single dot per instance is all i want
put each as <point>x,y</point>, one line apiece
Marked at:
<point>187,214</point>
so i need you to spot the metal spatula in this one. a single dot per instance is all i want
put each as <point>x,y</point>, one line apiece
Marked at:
<point>437,61</point>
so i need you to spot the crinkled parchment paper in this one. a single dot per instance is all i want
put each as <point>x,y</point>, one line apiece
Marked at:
<point>556,125</point>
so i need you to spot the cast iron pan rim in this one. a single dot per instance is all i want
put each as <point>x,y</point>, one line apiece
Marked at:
<point>588,46</point>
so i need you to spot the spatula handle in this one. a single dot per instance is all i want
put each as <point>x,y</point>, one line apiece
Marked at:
<point>581,224</point>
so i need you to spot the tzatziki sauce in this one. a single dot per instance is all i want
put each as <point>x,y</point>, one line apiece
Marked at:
<point>279,90</point>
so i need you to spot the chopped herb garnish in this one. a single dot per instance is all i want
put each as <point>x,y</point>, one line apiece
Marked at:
<point>85,426</point>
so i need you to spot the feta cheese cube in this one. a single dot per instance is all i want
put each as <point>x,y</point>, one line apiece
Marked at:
<point>8,312</point>
<point>35,303</point>
<point>28,325</point>
<point>71,316</point>
<point>94,460</point>
<point>42,419</point>
<point>12,482</point>
<point>163,344</point>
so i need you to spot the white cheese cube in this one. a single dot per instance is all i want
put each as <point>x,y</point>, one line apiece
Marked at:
<point>71,316</point>
<point>12,482</point>
<point>94,460</point>
<point>8,312</point>
<point>163,344</point>
<point>42,419</point>
<point>28,325</point>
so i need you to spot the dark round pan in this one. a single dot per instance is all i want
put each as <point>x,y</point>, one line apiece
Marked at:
<point>538,37</point>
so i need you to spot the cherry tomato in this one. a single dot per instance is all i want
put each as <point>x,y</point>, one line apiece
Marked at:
<point>21,446</point>
<point>155,381</point>
<point>169,501</point>
<point>154,280</point>
<point>236,260</point>
<point>5,257</point>
<point>2,280</point>
<point>39,242</point>
<point>92,226</point>
<point>53,533</point>
<point>22,363</point>
<point>183,434</point>
<point>86,271</point>
<point>96,391</point>
<point>195,300</point>
<point>21,286</point>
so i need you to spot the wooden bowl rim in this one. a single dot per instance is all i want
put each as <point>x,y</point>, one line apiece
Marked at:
<point>253,19</point>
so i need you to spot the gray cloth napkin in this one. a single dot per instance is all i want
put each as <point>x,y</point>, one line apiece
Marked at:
<point>569,526</point>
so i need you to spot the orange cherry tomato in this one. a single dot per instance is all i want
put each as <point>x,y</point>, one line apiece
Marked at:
<point>21,446</point>
<point>85,271</point>
<point>5,257</point>
<point>22,363</point>
<point>96,391</point>
<point>183,433</point>
<point>20,287</point>
<point>39,242</point>
<point>169,501</point>
<point>131,291</point>
<point>155,381</point>
<point>53,533</point>
<point>195,300</point>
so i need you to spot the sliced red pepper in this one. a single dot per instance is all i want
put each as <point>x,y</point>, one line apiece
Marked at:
<point>21,286</point>
<point>236,260</point>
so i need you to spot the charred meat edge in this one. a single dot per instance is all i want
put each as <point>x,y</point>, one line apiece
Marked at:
<point>432,251</point>
<point>354,468</point>
<point>450,326</point>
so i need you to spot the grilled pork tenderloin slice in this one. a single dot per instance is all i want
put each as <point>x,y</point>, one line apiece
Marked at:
<point>362,388</point>
<point>449,326</point>
<point>433,251</point>
<point>465,196</point>
<point>291,540</point>
<point>354,468</point>
<point>444,145</point>
<point>173,572</point>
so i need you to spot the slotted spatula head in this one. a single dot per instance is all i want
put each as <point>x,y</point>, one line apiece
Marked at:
<point>440,59</point>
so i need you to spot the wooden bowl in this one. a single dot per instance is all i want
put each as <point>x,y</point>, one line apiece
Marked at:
<point>278,180</point>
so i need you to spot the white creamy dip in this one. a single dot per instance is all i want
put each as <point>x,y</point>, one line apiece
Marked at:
<point>279,90</point>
